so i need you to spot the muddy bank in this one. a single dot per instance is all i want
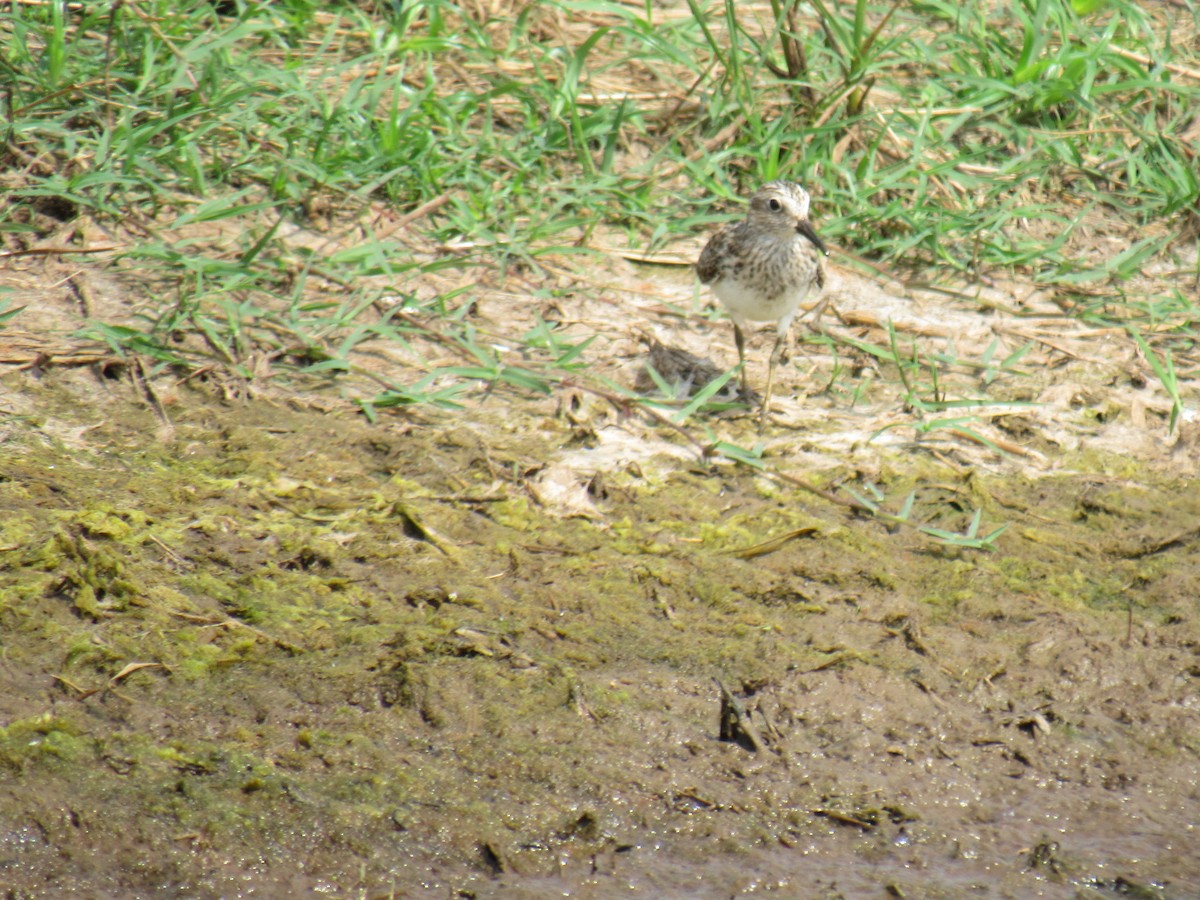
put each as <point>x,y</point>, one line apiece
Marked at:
<point>282,649</point>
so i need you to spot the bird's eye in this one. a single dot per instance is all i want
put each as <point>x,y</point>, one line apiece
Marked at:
<point>774,205</point>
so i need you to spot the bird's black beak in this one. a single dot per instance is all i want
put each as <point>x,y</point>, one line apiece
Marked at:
<point>805,228</point>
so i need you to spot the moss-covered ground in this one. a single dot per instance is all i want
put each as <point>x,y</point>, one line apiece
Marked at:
<point>285,646</point>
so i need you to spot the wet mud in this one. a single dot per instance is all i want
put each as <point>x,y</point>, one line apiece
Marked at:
<point>277,648</point>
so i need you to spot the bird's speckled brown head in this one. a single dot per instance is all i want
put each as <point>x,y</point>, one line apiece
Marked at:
<point>782,207</point>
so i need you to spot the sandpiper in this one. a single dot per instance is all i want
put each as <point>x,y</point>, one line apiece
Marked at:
<point>763,267</point>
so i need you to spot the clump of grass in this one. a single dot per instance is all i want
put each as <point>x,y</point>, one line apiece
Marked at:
<point>869,500</point>
<point>980,119</point>
<point>1164,369</point>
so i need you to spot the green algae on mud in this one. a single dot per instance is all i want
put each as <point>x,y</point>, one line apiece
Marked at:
<point>378,661</point>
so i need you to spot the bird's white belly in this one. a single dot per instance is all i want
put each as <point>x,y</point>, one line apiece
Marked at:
<point>744,302</point>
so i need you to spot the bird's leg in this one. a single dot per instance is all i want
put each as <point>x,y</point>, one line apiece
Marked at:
<point>776,353</point>
<point>815,313</point>
<point>784,345</point>
<point>740,340</point>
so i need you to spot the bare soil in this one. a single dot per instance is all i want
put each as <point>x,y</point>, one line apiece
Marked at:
<point>255,645</point>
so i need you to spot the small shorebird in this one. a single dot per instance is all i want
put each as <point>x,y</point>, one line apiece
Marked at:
<point>763,267</point>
